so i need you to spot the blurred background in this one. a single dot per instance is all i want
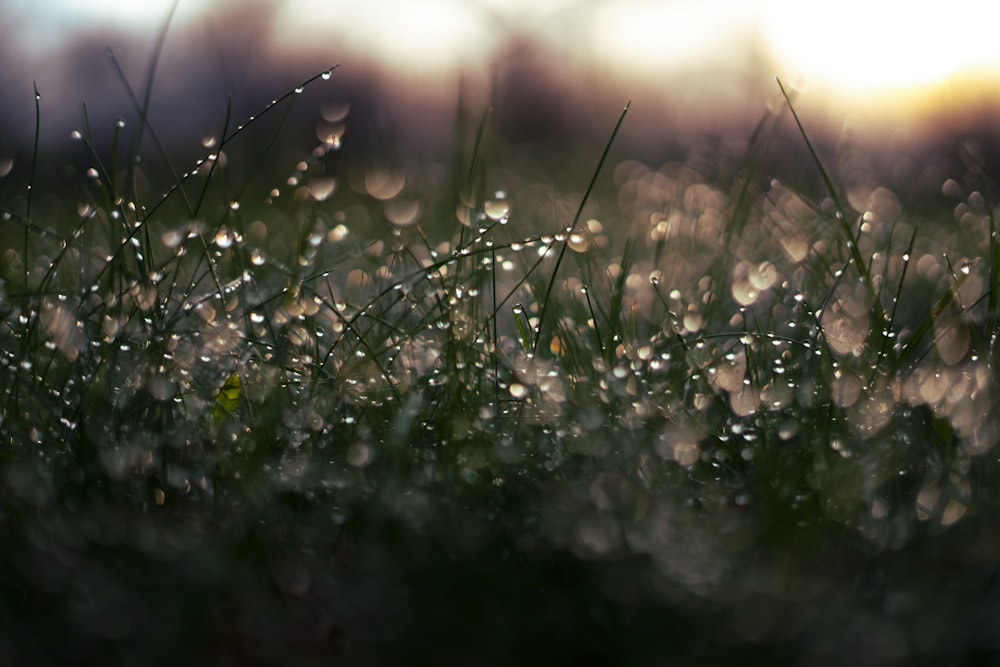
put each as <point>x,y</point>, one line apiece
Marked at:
<point>555,70</point>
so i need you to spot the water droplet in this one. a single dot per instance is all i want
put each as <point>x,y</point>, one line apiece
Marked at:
<point>518,390</point>
<point>320,189</point>
<point>693,322</point>
<point>223,239</point>
<point>172,238</point>
<point>496,209</point>
<point>580,241</point>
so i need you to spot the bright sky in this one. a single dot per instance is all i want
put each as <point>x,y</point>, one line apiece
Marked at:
<point>870,45</point>
<point>851,47</point>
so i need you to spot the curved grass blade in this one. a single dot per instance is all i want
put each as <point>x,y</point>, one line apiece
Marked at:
<point>569,230</point>
<point>841,214</point>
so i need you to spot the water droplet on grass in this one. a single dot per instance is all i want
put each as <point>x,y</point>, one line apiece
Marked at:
<point>496,209</point>
<point>320,189</point>
<point>223,239</point>
<point>518,390</point>
<point>172,238</point>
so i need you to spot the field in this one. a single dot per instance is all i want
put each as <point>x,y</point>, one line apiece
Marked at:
<point>448,413</point>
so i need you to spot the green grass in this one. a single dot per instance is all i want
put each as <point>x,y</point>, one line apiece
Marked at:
<point>686,421</point>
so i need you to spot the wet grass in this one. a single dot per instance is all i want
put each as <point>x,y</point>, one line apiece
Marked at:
<point>349,417</point>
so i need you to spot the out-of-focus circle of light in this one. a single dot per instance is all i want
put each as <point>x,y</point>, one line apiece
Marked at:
<point>866,47</point>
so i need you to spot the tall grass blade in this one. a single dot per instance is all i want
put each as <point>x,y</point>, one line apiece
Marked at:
<point>572,226</point>
<point>31,177</point>
<point>850,238</point>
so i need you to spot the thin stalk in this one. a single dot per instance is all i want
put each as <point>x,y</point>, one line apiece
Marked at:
<point>569,230</point>
<point>31,177</point>
<point>841,214</point>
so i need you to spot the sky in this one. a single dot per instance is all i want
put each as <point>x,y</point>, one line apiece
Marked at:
<point>852,45</point>
<point>869,54</point>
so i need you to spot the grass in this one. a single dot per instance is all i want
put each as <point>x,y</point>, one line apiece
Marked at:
<point>312,420</point>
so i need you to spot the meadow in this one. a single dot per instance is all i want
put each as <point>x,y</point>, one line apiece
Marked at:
<point>447,413</point>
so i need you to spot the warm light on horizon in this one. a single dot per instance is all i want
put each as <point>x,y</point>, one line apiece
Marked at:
<point>433,35</point>
<point>880,48</point>
<point>649,37</point>
<point>881,54</point>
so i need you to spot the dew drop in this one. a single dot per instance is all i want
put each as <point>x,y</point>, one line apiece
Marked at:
<point>223,239</point>
<point>320,189</point>
<point>496,209</point>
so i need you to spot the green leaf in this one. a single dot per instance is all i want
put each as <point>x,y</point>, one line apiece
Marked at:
<point>228,398</point>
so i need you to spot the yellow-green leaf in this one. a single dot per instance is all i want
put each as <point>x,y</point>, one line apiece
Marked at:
<point>228,398</point>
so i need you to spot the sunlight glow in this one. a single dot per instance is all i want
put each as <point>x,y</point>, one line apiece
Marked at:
<point>860,47</point>
<point>425,36</point>
<point>876,52</point>
<point>646,35</point>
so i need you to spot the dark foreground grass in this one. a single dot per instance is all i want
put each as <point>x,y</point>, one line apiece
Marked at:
<point>359,419</point>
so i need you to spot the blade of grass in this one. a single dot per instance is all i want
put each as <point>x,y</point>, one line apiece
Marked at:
<point>227,138</point>
<point>569,230</point>
<point>31,177</point>
<point>142,108</point>
<point>886,348</point>
<point>993,303</point>
<point>467,195</point>
<point>523,330</point>
<point>840,211</point>
<point>925,326</point>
